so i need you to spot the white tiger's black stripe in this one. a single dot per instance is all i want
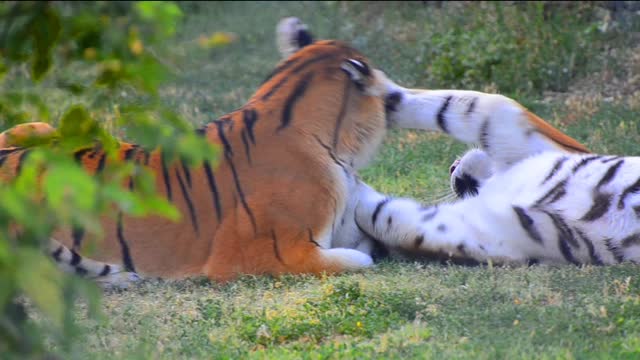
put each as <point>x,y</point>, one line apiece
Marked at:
<point>528,224</point>
<point>554,170</point>
<point>440,117</point>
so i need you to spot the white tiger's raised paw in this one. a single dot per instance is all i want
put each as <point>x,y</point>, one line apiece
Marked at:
<point>470,172</point>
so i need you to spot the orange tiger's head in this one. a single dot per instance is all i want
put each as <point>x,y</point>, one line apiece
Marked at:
<point>328,91</point>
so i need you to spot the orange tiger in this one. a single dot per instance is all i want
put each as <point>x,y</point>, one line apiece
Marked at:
<point>274,202</point>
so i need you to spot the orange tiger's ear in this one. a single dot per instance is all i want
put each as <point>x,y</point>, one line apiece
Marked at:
<point>25,134</point>
<point>562,139</point>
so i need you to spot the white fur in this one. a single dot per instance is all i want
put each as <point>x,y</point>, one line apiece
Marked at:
<point>286,32</point>
<point>487,227</point>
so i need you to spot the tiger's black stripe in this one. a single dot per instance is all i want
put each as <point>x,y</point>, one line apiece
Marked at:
<point>75,258</point>
<point>331,153</point>
<point>554,194</point>
<point>584,162</point>
<point>249,117</point>
<point>276,250</point>
<point>295,70</point>
<point>564,229</point>
<point>595,259</point>
<point>56,254</point>
<point>240,192</point>
<point>442,121</point>
<point>102,159</point>
<point>555,168</point>
<point>21,161</point>
<point>472,106</point>
<point>81,271</point>
<point>610,174</point>
<point>566,251</point>
<point>311,239</point>
<point>147,157</point>
<point>565,237</point>
<point>78,155</point>
<point>3,158</point>
<point>220,124</point>
<point>633,239</point>
<point>280,68</point>
<point>377,210</point>
<point>343,111</point>
<point>186,171</point>
<point>613,158</point>
<point>601,204</point>
<point>129,154</point>
<point>165,176</point>
<point>433,211</point>
<point>247,151</point>
<point>5,152</point>
<point>484,134</point>
<point>105,270</point>
<point>187,199</point>
<point>528,224</point>
<point>77,233</point>
<point>127,260</point>
<point>214,190</point>
<point>614,250</point>
<point>631,189</point>
<point>293,98</point>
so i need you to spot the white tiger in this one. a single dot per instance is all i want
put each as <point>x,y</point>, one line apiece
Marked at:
<point>529,192</point>
<point>525,198</point>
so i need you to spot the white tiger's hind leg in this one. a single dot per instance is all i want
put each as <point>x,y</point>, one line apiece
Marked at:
<point>463,230</point>
<point>106,275</point>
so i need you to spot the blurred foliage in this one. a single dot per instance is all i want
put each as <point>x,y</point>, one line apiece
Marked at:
<point>117,48</point>
<point>520,47</point>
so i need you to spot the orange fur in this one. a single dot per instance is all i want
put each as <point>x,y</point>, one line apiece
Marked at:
<point>562,139</point>
<point>22,132</point>
<point>276,185</point>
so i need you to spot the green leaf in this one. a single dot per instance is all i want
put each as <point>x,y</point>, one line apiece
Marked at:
<point>78,128</point>
<point>39,279</point>
<point>164,15</point>
<point>45,31</point>
<point>69,188</point>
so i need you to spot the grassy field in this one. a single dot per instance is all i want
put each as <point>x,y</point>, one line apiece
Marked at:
<point>408,310</point>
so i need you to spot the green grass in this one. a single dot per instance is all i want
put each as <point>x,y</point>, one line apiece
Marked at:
<point>397,309</point>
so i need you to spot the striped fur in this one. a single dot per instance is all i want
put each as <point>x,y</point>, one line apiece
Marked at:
<point>553,207</point>
<point>274,201</point>
<point>529,194</point>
